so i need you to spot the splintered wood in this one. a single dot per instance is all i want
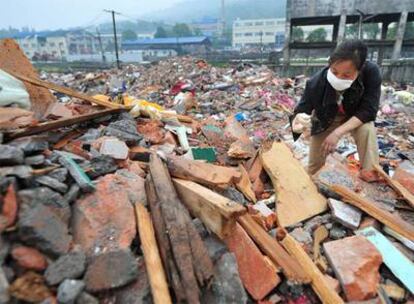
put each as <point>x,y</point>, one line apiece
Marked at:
<point>194,267</point>
<point>156,275</point>
<point>64,90</point>
<point>273,250</point>
<point>297,196</point>
<point>203,173</point>
<point>391,220</point>
<point>217,212</point>
<point>400,189</point>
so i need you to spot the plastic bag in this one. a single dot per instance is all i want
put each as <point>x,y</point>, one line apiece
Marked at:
<point>13,91</point>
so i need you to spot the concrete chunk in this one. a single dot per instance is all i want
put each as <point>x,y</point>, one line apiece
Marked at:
<point>345,214</point>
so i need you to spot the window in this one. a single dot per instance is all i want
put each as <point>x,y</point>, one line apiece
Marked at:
<point>52,44</point>
<point>258,34</point>
<point>238,35</point>
<point>248,34</point>
<point>248,23</point>
<point>258,23</point>
<point>270,23</point>
<point>236,24</point>
<point>269,34</point>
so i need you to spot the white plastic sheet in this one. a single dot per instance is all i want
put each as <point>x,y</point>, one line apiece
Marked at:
<point>13,91</point>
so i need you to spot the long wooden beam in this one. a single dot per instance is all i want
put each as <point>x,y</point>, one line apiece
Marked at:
<point>55,124</point>
<point>65,90</point>
<point>217,212</point>
<point>394,222</point>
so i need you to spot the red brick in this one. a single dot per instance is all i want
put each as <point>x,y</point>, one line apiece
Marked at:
<point>9,210</point>
<point>355,262</point>
<point>258,277</point>
<point>29,258</point>
<point>405,178</point>
<point>105,220</point>
<point>151,130</point>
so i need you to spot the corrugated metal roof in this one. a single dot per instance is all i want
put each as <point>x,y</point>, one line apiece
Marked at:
<point>171,40</point>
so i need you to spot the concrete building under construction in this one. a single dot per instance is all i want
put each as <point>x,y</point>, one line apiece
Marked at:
<point>340,13</point>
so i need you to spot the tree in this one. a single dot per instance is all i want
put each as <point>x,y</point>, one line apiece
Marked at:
<point>182,30</point>
<point>409,31</point>
<point>129,35</point>
<point>197,32</point>
<point>370,30</point>
<point>161,33</point>
<point>297,34</point>
<point>317,35</point>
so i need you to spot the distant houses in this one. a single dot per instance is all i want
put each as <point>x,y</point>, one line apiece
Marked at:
<point>81,45</point>
<point>169,46</point>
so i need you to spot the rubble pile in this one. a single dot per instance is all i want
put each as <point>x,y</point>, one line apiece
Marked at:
<point>184,185</point>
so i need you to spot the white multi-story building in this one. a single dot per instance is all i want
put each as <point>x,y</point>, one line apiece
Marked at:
<point>61,45</point>
<point>258,32</point>
<point>41,47</point>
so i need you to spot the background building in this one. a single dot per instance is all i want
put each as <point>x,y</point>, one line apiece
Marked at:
<point>180,45</point>
<point>258,32</point>
<point>340,14</point>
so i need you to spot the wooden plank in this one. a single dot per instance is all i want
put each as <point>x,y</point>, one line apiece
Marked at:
<point>397,262</point>
<point>163,241</point>
<point>217,212</point>
<point>55,124</point>
<point>226,207</point>
<point>394,222</point>
<point>190,254</point>
<point>257,275</point>
<point>298,197</point>
<point>64,90</point>
<point>400,189</point>
<point>153,264</point>
<point>245,186</point>
<point>273,250</point>
<point>203,173</point>
<point>318,281</point>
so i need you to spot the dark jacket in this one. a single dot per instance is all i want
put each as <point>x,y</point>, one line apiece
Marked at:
<point>360,100</point>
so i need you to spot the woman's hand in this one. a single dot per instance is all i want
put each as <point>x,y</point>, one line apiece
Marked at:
<point>329,144</point>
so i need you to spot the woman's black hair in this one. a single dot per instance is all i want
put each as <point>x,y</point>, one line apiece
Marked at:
<point>354,50</point>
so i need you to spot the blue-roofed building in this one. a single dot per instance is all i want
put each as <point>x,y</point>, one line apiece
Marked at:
<point>189,45</point>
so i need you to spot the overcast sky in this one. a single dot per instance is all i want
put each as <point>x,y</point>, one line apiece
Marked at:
<point>56,14</point>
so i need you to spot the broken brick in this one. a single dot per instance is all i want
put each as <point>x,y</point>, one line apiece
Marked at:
<point>40,227</point>
<point>10,155</point>
<point>9,209</point>
<point>356,263</point>
<point>29,258</point>
<point>404,174</point>
<point>151,130</point>
<point>105,220</point>
<point>258,277</point>
<point>68,266</point>
<point>111,270</point>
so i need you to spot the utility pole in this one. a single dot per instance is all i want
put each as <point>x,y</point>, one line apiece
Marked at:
<point>116,40</point>
<point>261,47</point>
<point>100,45</point>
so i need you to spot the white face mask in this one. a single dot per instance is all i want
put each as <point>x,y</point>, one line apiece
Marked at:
<point>337,83</point>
